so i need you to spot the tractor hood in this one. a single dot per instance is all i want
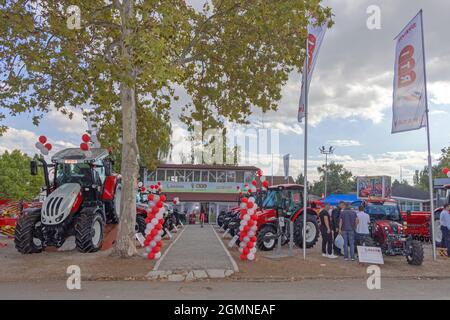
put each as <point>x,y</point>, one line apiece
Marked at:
<point>59,203</point>
<point>389,226</point>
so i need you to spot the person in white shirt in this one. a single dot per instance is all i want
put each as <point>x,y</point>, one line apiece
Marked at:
<point>362,228</point>
<point>445,228</point>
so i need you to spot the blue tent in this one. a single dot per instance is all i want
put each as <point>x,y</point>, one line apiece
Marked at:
<point>334,199</point>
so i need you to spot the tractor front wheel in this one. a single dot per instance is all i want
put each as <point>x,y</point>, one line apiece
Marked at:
<point>312,231</point>
<point>265,239</point>
<point>414,254</point>
<point>28,235</point>
<point>89,232</point>
<point>140,224</point>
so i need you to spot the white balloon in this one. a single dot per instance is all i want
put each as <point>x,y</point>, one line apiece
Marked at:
<point>144,255</point>
<point>39,145</point>
<point>159,215</point>
<point>153,243</point>
<point>154,221</point>
<point>140,184</point>
<point>158,255</point>
<point>251,233</point>
<point>246,239</point>
<point>253,250</point>
<point>448,174</point>
<point>251,256</point>
<point>151,204</point>
<point>243,222</point>
<point>157,238</point>
<point>241,249</point>
<point>251,199</point>
<point>160,232</point>
<point>254,228</point>
<point>148,249</point>
<point>246,217</point>
<point>44,151</point>
<point>243,205</point>
<point>241,228</point>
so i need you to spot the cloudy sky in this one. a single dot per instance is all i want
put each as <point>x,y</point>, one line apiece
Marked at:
<point>350,97</point>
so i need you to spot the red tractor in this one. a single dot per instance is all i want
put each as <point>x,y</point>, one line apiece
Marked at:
<point>84,195</point>
<point>388,231</point>
<point>285,202</point>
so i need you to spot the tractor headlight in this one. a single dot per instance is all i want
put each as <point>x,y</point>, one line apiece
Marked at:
<point>386,229</point>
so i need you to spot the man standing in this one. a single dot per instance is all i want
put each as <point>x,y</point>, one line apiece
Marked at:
<point>347,226</point>
<point>335,215</point>
<point>445,228</point>
<point>325,230</point>
<point>362,229</point>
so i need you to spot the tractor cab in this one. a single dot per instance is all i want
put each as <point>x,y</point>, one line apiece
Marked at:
<point>283,199</point>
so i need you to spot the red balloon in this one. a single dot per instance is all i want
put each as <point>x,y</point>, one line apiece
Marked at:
<point>246,251</point>
<point>254,183</point>
<point>243,256</point>
<point>244,200</point>
<point>155,210</point>
<point>265,184</point>
<point>154,232</point>
<point>445,170</point>
<point>150,197</point>
<point>148,220</point>
<point>42,139</point>
<point>159,183</point>
<point>143,189</point>
<point>253,239</point>
<point>86,138</point>
<point>152,187</point>
<point>151,256</point>
<point>84,146</point>
<point>162,198</point>
<point>260,173</point>
<point>250,244</point>
<point>249,204</point>
<point>244,211</point>
<point>246,228</point>
<point>159,226</point>
<point>254,216</point>
<point>48,146</point>
<point>155,249</point>
<point>238,187</point>
<point>159,204</point>
<point>161,221</point>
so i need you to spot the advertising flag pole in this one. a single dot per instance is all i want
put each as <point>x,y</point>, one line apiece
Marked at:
<point>305,160</point>
<point>430,164</point>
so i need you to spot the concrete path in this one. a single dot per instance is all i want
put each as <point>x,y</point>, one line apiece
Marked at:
<point>219,289</point>
<point>196,253</point>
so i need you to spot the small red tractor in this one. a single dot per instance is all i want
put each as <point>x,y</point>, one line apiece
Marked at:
<point>83,196</point>
<point>285,202</point>
<point>388,231</point>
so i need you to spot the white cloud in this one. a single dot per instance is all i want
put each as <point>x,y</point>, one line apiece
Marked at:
<point>344,143</point>
<point>440,92</point>
<point>25,140</point>
<point>60,122</point>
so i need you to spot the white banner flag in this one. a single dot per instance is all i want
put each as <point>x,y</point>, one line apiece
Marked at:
<point>315,38</point>
<point>409,105</point>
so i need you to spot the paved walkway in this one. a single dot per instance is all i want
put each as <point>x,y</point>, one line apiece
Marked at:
<point>196,248</point>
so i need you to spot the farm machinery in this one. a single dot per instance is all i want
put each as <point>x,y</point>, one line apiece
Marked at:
<point>388,231</point>
<point>82,198</point>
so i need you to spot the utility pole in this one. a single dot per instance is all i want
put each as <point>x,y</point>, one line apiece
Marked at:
<point>326,152</point>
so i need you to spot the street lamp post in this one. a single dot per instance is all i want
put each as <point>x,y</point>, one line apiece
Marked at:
<point>326,152</point>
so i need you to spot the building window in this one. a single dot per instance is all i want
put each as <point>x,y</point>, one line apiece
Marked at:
<point>170,176</point>
<point>426,207</point>
<point>231,176</point>
<point>188,175</point>
<point>240,176</point>
<point>204,176</point>
<point>221,176</point>
<point>212,175</point>
<point>179,174</point>
<point>249,176</point>
<point>151,176</point>
<point>161,175</point>
<point>197,176</point>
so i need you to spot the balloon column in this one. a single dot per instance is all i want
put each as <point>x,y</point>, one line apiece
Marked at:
<point>248,228</point>
<point>446,171</point>
<point>154,228</point>
<point>43,146</point>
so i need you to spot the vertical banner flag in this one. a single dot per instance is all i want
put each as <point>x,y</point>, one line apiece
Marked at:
<point>286,166</point>
<point>409,105</point>
<point>315,37</point>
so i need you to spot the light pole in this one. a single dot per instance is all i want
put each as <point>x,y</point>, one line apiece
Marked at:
<point>326,152</point>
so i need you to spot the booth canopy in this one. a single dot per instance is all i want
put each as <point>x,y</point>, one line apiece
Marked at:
<point>334,199</point>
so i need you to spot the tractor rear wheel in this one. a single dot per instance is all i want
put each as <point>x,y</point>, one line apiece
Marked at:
<point>312,231</point>
<point>414,255</point>
<point>89,232</point>
<point>140,224</point>
<point>27,235</point>
<point>264,244</point>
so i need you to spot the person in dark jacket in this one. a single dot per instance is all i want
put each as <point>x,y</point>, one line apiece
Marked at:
<point>335,216</point>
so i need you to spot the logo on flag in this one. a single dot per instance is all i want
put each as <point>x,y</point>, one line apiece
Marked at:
<point>315,38</point>
<point>409,99</point>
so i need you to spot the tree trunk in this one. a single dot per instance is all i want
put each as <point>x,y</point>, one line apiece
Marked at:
<point>125,244</point>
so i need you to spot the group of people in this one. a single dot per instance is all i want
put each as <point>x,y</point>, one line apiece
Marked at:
<point>445,228</point>
<point>352,225</point>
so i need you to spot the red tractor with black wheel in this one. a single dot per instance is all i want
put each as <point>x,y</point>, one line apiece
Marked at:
<point>388,230</point>
<point>83,196</point>
<point>287,200</point>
